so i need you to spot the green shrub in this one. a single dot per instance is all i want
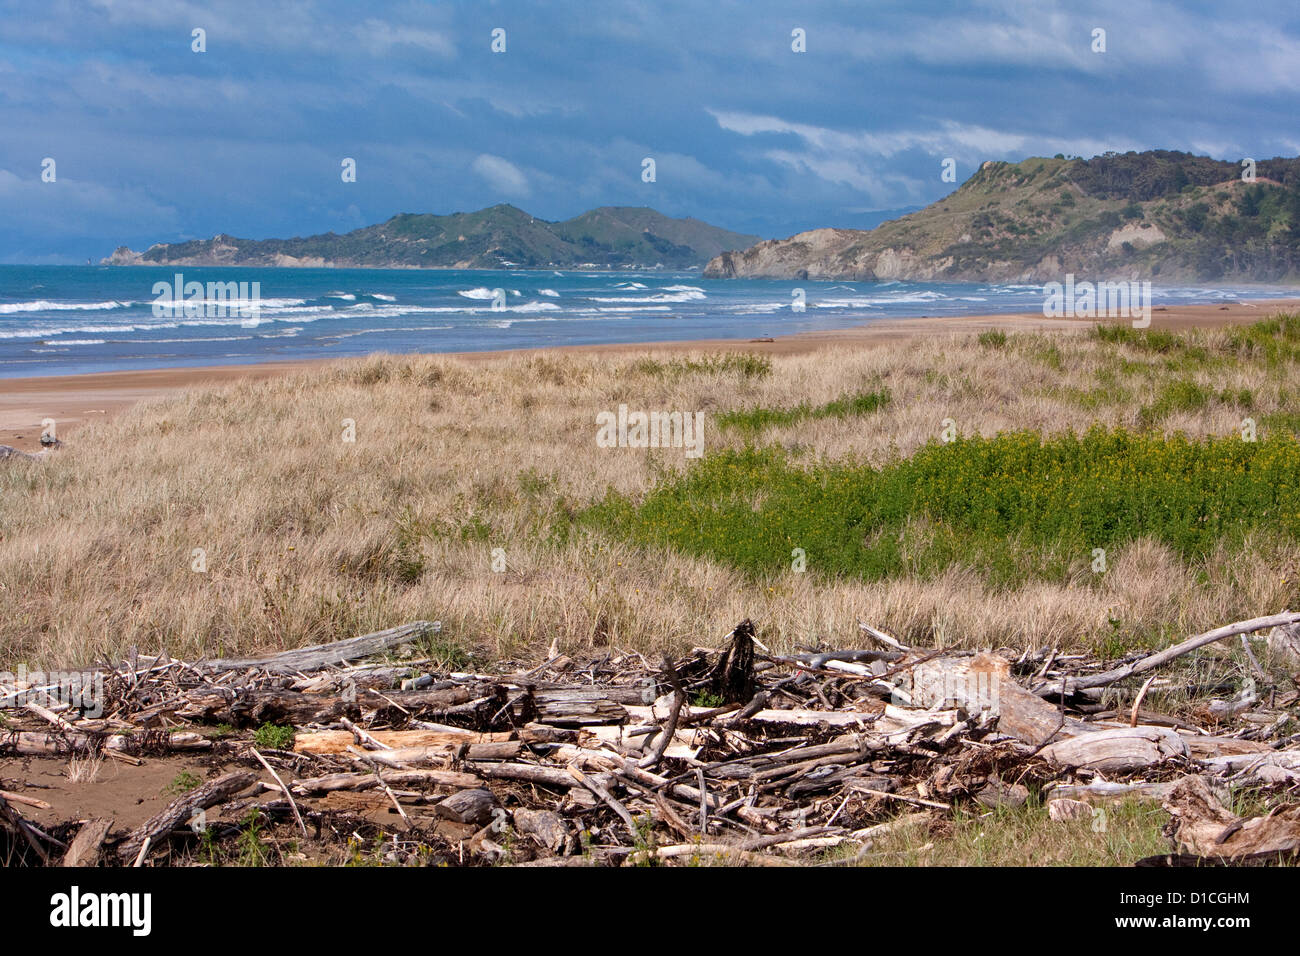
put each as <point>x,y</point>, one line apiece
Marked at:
<point>274,737</point>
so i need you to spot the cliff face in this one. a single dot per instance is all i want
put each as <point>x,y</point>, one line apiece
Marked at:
<point>494,238</point>
<point>1138,215</point>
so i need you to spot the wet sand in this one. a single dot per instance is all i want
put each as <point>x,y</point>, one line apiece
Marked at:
<point>71,400</point>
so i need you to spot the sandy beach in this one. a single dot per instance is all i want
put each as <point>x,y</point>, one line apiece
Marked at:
<point>72,400</point>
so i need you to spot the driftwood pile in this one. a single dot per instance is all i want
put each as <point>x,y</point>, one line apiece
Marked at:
<point>734,754</point>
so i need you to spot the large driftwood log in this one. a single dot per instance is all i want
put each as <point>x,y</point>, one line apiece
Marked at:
<point>184,807</point>
<point>251,706</point>
<point>304,660</point>
<point>38,743</point>
<point>982,682</point>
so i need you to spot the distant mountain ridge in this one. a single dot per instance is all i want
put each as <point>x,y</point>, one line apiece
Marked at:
<point>1159,214</point>
<point>501,236</point>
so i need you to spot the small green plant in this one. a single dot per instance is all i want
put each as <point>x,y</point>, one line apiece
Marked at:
<point>993,339</point>
<point>250,850</point>
<point>183,782</point>
<point>705,699</point>
<point>274,737</point>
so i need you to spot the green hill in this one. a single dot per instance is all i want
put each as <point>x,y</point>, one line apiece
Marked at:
<point>498,237</point>
<point>1157,215</point>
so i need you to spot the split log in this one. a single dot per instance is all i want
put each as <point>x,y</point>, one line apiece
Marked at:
<point>468,806</point>
<point>304,660</point>
<point>84,849</point>
<point>1119,750</point>
<point>579,706</point>
<point>184,807</point>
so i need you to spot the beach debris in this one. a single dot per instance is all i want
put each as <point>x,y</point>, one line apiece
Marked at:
<point>1204,827</point>
<point>736,754</point>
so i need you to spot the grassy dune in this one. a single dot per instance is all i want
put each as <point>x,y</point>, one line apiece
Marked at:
<point>307,537</point>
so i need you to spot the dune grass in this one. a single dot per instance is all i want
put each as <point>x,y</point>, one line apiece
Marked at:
<point>239,519</point>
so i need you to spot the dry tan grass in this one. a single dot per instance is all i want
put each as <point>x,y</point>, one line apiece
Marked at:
<point>308,538</point>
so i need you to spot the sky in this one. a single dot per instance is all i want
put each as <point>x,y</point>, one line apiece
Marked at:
<point>155,142</point>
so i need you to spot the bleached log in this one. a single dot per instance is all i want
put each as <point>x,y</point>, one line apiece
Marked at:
<point>304,660</point>
<point>1119,750</point>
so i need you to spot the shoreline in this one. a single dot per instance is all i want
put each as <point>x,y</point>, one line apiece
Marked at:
<point>72,400</point>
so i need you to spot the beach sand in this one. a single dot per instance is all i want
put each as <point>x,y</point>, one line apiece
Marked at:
<point>71,400</point>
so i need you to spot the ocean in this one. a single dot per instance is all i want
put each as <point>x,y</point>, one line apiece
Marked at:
<point>58,320</point>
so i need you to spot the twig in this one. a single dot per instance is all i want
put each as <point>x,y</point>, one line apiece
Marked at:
<point>283,789</point>
<point>1137,703</point>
